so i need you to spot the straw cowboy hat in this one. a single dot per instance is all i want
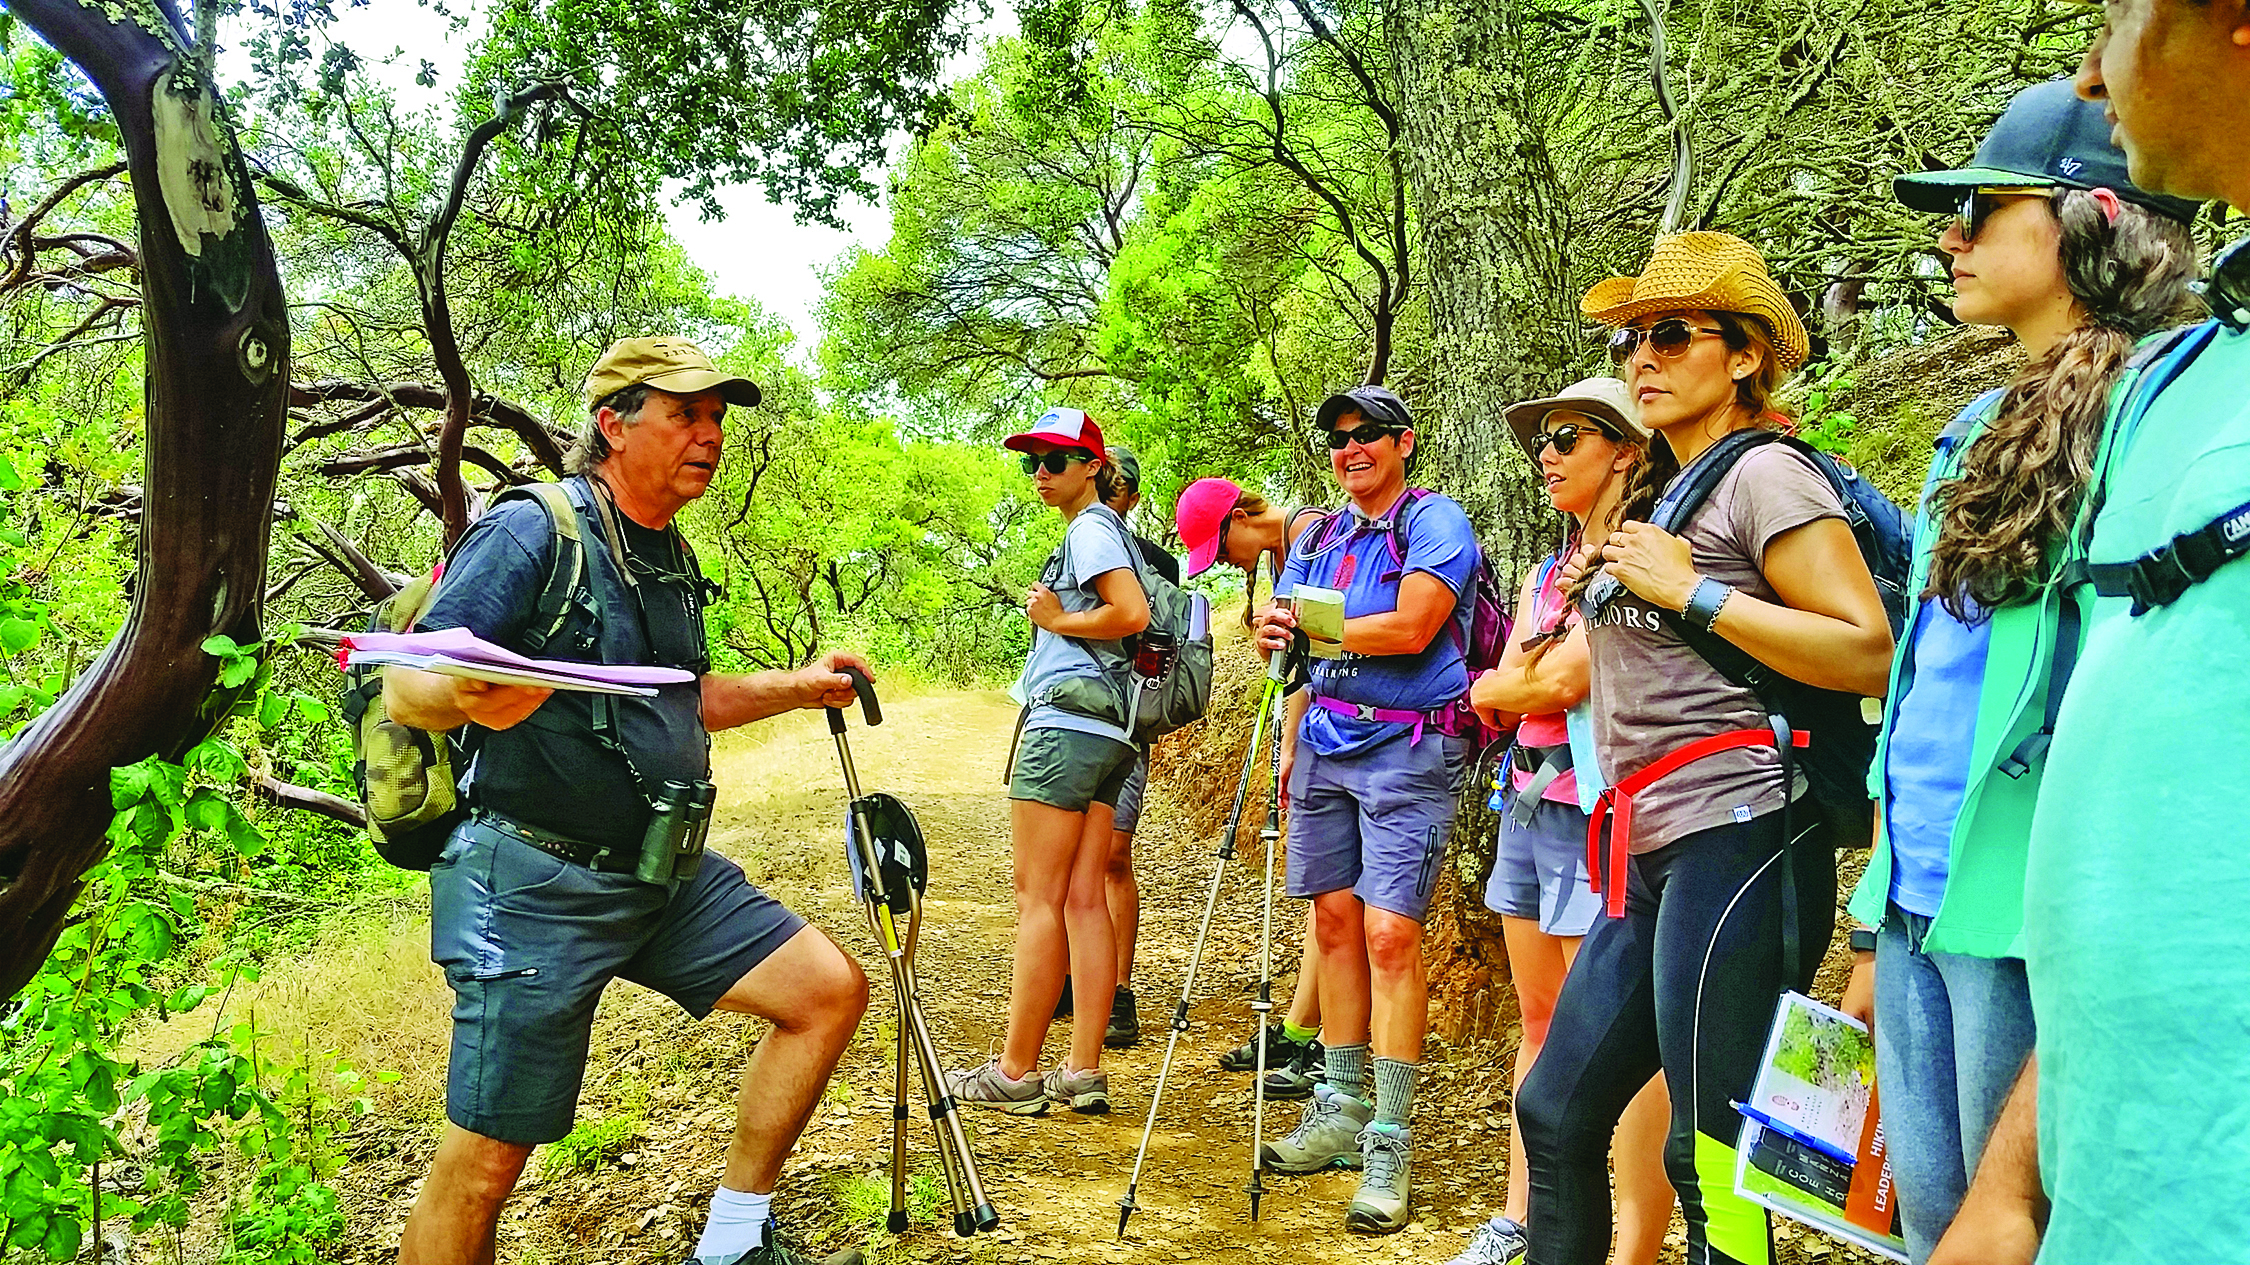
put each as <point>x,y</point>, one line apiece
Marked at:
<point>1712,272</point>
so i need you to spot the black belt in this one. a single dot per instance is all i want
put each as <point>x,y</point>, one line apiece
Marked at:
<point>600,857</point>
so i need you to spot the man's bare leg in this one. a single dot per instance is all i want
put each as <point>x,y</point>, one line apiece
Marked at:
<point>815,994</point>
<point>458,1212</point>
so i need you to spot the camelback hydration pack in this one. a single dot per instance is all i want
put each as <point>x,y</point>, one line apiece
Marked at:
<point>1842,724</point>
<point>1488,620</point>
<point>407,778</point>
<point>1489,623</point>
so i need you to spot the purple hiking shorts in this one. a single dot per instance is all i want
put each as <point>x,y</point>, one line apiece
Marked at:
<point>1376,821</point>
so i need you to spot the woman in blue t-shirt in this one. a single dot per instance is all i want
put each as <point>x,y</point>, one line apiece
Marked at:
<point>2078,269</point>
<point>1071,761</point>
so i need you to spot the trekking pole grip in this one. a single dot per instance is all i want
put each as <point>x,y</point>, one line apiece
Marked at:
<point>868,705</point>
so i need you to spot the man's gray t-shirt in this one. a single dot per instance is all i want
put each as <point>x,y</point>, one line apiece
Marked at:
<point>1093,545</point>
<point>1653,694</point>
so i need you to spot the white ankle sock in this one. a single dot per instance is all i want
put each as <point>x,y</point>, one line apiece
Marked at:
<point>737,1224</point>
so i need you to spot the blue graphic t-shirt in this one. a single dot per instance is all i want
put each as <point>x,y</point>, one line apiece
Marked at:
<point>1359,562</point>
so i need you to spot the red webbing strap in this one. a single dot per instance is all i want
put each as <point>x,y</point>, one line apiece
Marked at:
<point>1617,801</point>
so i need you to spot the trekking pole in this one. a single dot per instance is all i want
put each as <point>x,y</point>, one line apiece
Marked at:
<point>1262,1008</point>
<point>1126,1207</point>
<point>889,892</point>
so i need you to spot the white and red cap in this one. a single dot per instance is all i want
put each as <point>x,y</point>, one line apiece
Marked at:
<point>1064,428</point>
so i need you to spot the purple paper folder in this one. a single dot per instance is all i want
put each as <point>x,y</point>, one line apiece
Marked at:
<point>459,652</point>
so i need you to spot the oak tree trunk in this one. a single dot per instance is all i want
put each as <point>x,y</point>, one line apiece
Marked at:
<point>216,335</point>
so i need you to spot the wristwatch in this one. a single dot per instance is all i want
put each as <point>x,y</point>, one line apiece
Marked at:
<point>1863,940</point>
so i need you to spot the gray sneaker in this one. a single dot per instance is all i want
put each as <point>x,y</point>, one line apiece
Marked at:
<point>1387,1161</point>
<point>1084,1092</point>
<point>1499,1241</point>
<point>1328,1136</point>
<point>988,1086</point>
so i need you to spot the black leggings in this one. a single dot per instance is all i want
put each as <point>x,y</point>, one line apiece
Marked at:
<point>1686,980</point>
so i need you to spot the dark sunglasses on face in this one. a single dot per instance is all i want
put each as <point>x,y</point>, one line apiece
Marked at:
<point>1566,436</point>
<point>2227,290</point>
<point>1338,440</point>
<point>1667,338</point>
<point>1056,460</point>
<point>1981,203</point>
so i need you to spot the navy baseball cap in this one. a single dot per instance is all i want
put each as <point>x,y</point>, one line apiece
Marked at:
<point>2049,137</point>
<point>1376,404</point>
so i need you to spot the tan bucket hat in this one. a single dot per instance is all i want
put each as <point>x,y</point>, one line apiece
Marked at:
<point>1603,399</point>
<point>668,364</point>
<point>1710,271</point>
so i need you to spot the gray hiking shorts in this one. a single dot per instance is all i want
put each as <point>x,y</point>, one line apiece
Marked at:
<point>1539,869</point>
<point>529,940</point>
<point>1129,798</point>
<point>1070,770</point>
<point>1376,821</point>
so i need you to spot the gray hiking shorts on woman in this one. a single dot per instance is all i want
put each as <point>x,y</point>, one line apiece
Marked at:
<point>1539,869</point>
<point>1070,770</point>
<point>1376,822</point>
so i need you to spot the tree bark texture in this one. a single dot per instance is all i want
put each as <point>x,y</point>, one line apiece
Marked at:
<point>1492,247</point>
<point>217,355</point>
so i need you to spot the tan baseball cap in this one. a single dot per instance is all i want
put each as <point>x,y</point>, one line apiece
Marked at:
<point>668,364</point>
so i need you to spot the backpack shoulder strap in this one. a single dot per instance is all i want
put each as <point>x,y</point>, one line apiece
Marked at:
<point>566,566</point>
<point>1677,507</point>
<point>1406,506</point>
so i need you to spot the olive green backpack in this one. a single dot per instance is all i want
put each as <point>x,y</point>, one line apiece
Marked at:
<point>408,778</point>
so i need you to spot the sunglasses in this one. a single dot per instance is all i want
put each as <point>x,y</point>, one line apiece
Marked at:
<point>1338,440</point>
<point>1056,460</point>
<point>1566,436</point>
<point>1981,203</point>
<point>1667,338</point>
<point>2227,290</point>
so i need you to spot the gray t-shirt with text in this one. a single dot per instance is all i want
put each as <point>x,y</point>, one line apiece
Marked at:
<point>1653,694</point>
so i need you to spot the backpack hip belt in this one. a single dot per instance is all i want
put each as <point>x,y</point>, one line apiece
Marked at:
<point>1545,765</point>
<point>1446,719</point>
<point>1617,801</point>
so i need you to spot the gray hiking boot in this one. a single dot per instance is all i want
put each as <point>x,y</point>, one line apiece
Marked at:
<point>988,1086</point>
<point>1499,1241</point>
<point>1292,1079</point>
<point>1328,1136</point>
<point>1083,1092</point>
<point>1387,1161</point>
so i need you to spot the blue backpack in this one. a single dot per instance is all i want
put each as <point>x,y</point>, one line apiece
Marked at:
<point>1842,727</point>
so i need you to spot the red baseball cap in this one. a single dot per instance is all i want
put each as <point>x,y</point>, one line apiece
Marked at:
<point>1199,514</point>
<point>1064,428</point>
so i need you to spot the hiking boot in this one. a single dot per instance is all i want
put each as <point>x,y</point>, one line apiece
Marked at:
<point>1328,1136</point>
<point>1279,1049</point>
<point>1084,1092</point>
<point>1066,1005</point>
<point>1292,1079</point>
<point>988,1086</point>
<point>780,1251</point>
<point>1386,1162</point>
<point>1497,1242</point>
<point>1124,1021</point>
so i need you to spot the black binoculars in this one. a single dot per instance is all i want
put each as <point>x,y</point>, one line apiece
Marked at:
<point>681,820</point>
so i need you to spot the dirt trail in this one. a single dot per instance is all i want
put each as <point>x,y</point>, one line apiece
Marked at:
<point>659,1087</point>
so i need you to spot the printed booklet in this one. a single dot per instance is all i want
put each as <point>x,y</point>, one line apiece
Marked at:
<point>1812,1132</point>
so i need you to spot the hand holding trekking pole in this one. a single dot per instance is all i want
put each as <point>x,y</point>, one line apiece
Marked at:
<point>1277,628</point>
<point>836,680</point>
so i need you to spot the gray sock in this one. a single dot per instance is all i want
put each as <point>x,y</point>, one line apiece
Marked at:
<point>1394,1091</point>
<point>1347,1069</point>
